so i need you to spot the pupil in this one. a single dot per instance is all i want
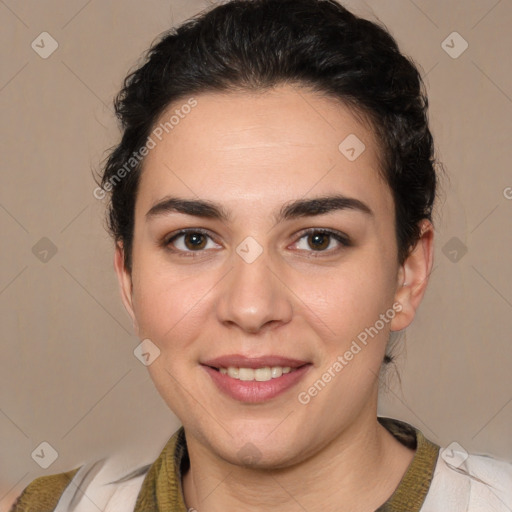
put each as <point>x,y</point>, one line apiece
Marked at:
<point>194,241</point>
<point>319,240</point>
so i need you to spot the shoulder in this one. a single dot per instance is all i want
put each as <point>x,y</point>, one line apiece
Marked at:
<point>105,483</point>
<point>111,484</point>
<point>463,481</point>
<point>43,493</point>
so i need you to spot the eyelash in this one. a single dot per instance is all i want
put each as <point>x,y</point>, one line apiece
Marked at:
<point>339,237</point>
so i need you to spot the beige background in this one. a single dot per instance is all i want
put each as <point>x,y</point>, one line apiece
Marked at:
<point>68,374</point>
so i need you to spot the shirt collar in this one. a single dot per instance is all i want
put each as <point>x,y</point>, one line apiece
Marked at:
<point>162,488</point>
<point>415,484</point>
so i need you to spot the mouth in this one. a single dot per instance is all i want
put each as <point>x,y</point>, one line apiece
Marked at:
<point>262,374</point>
<point>257,379</point>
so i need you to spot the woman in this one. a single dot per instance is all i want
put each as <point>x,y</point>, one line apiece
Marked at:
<point>271,203</point>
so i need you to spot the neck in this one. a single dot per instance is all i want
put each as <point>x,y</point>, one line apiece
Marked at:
<point>356,471</point>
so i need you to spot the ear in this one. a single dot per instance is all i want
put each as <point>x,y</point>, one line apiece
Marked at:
<point>413,277</point>
<point>125,284</point>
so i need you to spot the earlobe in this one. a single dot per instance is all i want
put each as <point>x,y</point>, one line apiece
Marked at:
<point>413,277</point>
<point>125,283</point>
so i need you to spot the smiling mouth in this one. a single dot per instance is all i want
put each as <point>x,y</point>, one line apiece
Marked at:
<point>254,380</point>
<point>262,374</point>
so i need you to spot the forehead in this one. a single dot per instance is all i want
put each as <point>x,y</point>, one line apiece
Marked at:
<point>264,146</point>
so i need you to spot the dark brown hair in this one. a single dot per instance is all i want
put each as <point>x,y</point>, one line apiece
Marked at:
<point>258,44</point>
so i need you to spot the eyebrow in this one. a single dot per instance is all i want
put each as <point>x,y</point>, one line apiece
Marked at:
<point>298,208</point>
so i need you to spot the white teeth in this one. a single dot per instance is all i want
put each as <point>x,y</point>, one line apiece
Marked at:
<point>263,374</point>
<point>259,374</point>
<point>277,371</point>
<point>233,372</point>
<point>246,374</point>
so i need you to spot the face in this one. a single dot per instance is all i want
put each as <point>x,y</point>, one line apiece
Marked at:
<point>236,264</point>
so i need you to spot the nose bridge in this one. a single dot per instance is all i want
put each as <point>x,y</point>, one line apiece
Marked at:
<point>253,297</point>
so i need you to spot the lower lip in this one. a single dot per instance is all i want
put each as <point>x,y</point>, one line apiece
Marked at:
<point>254,391</point>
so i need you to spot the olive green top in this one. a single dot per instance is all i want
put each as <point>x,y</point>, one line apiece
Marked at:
<point>161,489</point>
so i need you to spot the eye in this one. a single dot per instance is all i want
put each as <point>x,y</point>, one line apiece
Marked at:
<point>322,240</point>
<point>313,240</point>
<point>190,240</point>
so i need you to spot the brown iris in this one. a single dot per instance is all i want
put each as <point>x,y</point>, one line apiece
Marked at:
<point>318,241</point>
<point>194,241</point>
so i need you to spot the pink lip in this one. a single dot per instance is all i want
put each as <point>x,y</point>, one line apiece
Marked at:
<point>239,361</point>
<point>254,391</point>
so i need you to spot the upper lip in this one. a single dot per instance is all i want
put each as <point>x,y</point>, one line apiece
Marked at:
<point>240,361</point>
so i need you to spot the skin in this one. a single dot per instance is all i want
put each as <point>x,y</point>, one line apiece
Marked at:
<point>252,154</point>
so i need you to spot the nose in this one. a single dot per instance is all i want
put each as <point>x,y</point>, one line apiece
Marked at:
<point>253,297</point>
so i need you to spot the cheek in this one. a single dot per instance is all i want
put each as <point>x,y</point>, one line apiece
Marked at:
<point>348,299</point>
<point>174,305</point>
<point>170,308</point>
